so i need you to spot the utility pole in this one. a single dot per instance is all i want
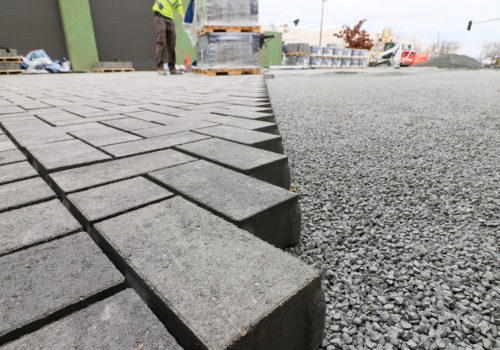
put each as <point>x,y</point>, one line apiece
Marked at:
<point>321,29</point>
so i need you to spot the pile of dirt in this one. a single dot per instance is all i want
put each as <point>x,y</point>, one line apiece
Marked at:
<point>451,61</point>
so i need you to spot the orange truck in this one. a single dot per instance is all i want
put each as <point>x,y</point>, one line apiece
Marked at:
<point>411,58</point>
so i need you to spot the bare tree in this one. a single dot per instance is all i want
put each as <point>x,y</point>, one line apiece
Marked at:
<point>355,38</point>
<point>448,47</point>
<point>491,51</point>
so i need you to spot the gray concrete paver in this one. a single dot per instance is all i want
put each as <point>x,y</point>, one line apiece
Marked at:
<point>263,165</point>
<point>252,138</point>
<point>121,321</point>
<point>44,279</point>
<point>116,198</point>
<point>16,172</point>
<point>103,136</point>
<point>34,224</point>
<point>72,153</point>
<point>176,246</point>
<point>98,174</point>
<point>152,144</point>
<point>24,192</point>
<point>11,156</point>
<point>179,125</point>
<point>130,124</point>
<point>268,211</point>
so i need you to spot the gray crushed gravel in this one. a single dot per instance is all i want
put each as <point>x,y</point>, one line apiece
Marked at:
<point>399,178</point>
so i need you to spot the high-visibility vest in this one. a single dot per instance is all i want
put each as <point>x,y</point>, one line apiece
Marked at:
<point>168,8</point>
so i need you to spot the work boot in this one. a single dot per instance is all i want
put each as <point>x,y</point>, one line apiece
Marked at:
<point>161,71</point>
<point>175,72</point>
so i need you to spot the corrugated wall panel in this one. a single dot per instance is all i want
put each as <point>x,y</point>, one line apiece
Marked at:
<point>124,29</point>
<point>32,24</point>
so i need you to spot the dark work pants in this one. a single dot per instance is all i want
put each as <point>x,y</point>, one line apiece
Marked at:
<point>165,38</point>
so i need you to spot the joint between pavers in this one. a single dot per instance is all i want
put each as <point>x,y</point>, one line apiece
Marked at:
<point>34,325</point>
<point>40,242</point>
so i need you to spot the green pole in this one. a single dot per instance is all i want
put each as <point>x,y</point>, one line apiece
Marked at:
<point>79,32</point>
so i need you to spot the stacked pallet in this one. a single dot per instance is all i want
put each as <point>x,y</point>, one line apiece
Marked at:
<point>228,37</point>
<point>112,67</point>
<point>10,62</point>
<point>325,57</point>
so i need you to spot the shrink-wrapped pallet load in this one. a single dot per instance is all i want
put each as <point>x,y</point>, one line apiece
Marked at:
<point>228,36</point>
<point>240,13</point>
<point>228,50</point>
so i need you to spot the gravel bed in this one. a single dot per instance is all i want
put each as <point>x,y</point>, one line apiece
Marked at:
<point>399,178</point>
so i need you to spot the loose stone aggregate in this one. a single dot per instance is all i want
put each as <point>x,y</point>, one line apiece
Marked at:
<point>401,203</point>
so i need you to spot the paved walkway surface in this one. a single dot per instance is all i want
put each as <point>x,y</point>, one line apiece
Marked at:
<point>143,211</point>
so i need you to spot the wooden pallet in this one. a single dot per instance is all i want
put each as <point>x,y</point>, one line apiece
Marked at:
<point>10,59</point>
<point>293,54</point>
<point>103,70</point>
<point>227,71</point>
<point>229,29</point>
<point>9,72</point>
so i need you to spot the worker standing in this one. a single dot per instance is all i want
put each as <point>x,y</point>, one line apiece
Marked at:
<point>165,32</point>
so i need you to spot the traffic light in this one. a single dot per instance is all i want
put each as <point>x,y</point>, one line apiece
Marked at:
<point>469,25</point>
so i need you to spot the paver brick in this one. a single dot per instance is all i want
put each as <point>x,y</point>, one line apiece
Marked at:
<point>11,156</point>
<point>102,137</point>
<point>45,279</point>
<point>180,125</point>
<point>122,321</point>
<point>59,155</point>
<point>34,224</point>
<point>266,117</point>
<point>130,124</point>
<point>11,109</point>
<point>265,141</point>
<point>6,144</point>
<point>24,192</point>
<point>25,124</point>
<point>153,117</point>
<point>83,111</point>
<point>99,174</point>
<point>263,165</point>
<point>16,172</point>
<point>116,198</point>
<point>81,120</point>
<point>34,137</point>
<point>256,125</point>
<point>152,144</point>
<point>217,286</point>
<point>269,212</point>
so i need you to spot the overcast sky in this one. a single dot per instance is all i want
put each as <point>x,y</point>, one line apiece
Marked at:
<point>422,19</point>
